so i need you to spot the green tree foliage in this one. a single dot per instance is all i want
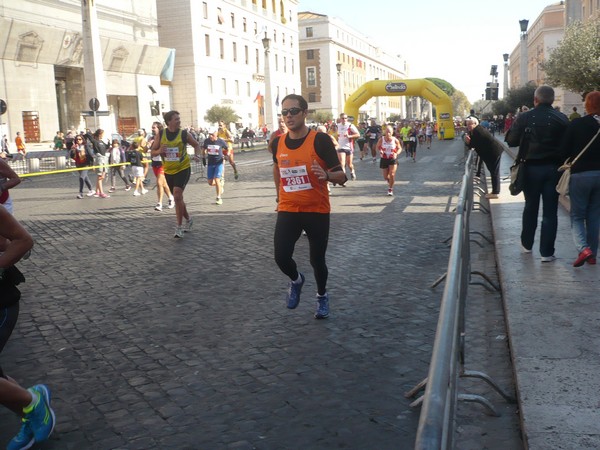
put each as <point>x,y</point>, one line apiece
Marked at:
<point>443,85</point>
<point>522,96</point>
<point>394,118</point>
<point>575,63</point>
<point>217,113</point>
<point>320,116</point>
<point>460,104</point>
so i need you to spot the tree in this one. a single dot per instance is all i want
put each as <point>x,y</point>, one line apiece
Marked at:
<point>394,118</point>
<point>219,113</point>
<point>522,96</point>
<point>321,116</point>
<point>460,104</point>
<point>443,85</point>
<point>575,63</point>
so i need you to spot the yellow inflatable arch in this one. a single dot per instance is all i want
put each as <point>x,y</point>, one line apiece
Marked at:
<point>414,88</point>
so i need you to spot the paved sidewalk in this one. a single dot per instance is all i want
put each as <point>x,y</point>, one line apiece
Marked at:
<point>553,321</point>
<point>151,342</point>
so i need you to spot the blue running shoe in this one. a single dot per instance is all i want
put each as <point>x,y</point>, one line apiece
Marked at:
<point>322,306</point>
<point>293,295</point>
<point>41,416</point>
<point>24,439</point>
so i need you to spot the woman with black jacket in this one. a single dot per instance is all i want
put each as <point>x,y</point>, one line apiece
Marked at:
<point>584,185</point>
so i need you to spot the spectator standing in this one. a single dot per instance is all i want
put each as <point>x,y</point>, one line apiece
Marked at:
<point>538,133</point>
<point>83,155</point>
<point>20,143</point>
<point>575,115</point>
<point>100,160</point>
<point>59,140</point>
<point>134,158</point>
<point>489,150</point>
<point>584,185</point>
<point>117,156</point>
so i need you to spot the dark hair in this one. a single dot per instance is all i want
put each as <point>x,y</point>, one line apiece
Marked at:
<point>158,125</point>
<point>98,132</point>
<point>169,115</point>
<point>115,141</point>
<point>302,102</point>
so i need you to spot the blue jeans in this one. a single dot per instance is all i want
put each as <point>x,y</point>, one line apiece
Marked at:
<point>584,190</point>
<point>540,182</point>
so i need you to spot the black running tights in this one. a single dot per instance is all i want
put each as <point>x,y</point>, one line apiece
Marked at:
<point>288,229</point>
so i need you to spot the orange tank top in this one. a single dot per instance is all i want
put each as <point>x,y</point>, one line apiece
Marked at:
<point>299,189</point>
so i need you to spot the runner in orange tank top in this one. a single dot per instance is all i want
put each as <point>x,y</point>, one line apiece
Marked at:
<point>304,161</point>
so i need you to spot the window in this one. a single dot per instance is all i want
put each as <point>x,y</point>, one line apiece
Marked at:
<point>222,48</point>
<point>276,62</point>
<point>246,54</point>
<point>245,25</point>
<point>283,36</point>
<point>284,64</point>
<point>235,52</point>
<point>209,84</point>
<point>274,35</point>
<point>237,88</point>
<point>311,76</point>
<point>312,97</point>
<point>255,28</point>
<point>310,54</point>
<point>232,20</point>
<point>292,64</point>
<point>207,44</point>
<point>309,32</point>
<point>220,18</point>
<point>257,62</point>
<point>224,83</point>
<point>205,10</point>
<point>248,88</point>
<point>264,4</point>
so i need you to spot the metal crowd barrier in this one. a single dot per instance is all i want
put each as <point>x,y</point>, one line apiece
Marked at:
<point>40,161</point>
<point>439,402</point>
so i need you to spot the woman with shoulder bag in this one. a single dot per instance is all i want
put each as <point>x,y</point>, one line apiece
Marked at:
<point>584,185</point>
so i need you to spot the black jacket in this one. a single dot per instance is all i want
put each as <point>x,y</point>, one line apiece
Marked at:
<point>538,134</point>
<point>486,145</point>
<point>578,135</point>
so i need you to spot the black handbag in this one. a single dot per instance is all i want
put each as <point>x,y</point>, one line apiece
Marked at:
<point>517,178</point>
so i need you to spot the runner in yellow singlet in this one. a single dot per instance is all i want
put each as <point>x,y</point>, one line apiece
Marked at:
<point>172,147</point>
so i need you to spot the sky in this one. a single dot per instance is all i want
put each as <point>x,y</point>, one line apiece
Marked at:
<point>458,44</point>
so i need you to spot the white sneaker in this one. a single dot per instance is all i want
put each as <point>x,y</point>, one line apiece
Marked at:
<point>158,207</point>
<point>353,175</point>
<point>548,258</point>
<point>178,233</point>
<point>136,194</point>
<point>171,202</point>
<point>144,191</point>
<point>525,250</point>
<point>390,192</point>
<point>90,193</point>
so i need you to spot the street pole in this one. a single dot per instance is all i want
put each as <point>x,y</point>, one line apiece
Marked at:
<point>524,56</point>
<point>269,122</point>
<point>340,105</point>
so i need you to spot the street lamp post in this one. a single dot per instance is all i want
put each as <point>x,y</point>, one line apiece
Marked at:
<point>269,122</point>
<point>340,105</point>
<point>523,74</point>
<point>505,87</point>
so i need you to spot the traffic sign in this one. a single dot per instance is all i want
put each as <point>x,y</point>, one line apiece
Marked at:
<point>95,113</point>
<point>2,107</point>
<point>94,104</point>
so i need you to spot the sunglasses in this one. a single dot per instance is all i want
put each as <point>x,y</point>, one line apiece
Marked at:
<point>292,111</point>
